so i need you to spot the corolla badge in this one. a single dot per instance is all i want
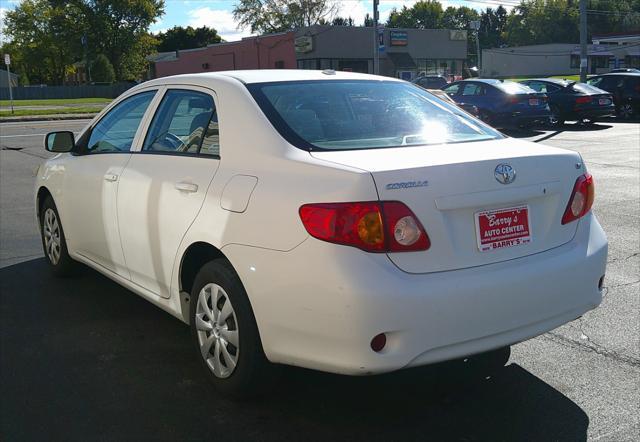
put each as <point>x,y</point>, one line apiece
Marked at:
<point>406,185</point>
<point>505,174</point>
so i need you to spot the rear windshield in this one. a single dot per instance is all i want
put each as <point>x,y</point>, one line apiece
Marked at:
<point>587,89</point>
<point>511,87</point>
<point>363,114</point>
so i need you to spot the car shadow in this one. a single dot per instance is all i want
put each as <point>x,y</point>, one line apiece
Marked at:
<point>550,132</point>
<point>83,358</point>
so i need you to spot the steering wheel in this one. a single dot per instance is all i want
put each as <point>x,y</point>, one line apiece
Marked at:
<point>174,140</point>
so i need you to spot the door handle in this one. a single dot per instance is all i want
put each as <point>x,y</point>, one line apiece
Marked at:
<point>111,177</point>
<point>186,187</point>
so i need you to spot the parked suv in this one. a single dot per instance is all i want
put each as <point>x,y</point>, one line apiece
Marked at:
<point>342,222</point>
<point>625,89</point>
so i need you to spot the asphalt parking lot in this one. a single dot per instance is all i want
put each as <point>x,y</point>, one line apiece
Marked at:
<point>83,359</point>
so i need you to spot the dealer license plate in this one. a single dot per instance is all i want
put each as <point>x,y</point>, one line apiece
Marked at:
<point>502,228</point>
<point>534,102</point>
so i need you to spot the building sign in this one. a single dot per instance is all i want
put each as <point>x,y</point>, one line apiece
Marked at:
<point>457,35</point>
<point>381,39</point>
<point>304,44</point>
<point>398,38</point>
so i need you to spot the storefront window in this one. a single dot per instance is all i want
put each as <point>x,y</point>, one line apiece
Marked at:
<point>632,61</point>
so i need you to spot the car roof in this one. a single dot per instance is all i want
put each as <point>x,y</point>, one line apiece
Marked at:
<point>559,81</point>
<point>622,74</point>
<point>276,75</point>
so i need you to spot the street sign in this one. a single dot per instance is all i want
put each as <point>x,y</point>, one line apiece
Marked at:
<point>7,59</point>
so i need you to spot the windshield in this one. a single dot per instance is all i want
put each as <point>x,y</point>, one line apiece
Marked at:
<point>511,87</point>
<point>344,115</point>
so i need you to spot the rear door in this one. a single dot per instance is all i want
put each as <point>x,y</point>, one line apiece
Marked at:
<point>164,184</point>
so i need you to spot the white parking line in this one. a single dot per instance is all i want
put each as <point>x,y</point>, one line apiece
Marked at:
<point>17,136</point>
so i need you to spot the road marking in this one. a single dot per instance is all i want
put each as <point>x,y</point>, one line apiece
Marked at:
<point>28,135</point>
<point>43,123</point>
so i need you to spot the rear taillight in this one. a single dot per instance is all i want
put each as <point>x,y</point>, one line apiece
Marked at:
<point>387,226</point>
<point>581,199</point>
<point>583,100</point>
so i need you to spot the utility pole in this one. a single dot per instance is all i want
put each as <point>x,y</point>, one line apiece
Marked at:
<point>583,41</point>
<point>376,49</point>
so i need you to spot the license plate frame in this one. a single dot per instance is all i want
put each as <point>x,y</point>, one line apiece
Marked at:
<point>534,101</point>
<point>604,101</point>
<point>498,228</point>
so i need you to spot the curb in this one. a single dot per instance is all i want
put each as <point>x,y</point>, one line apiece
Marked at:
<point>52,117</point>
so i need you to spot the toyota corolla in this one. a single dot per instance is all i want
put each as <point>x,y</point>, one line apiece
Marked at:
<point>342,222</point>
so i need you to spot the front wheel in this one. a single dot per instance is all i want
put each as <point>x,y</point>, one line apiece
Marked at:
<point>625,111</point>
<point>225,333</point>
<point>53,240</point>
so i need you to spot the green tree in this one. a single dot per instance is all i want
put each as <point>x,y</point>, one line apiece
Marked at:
<point>425,14</point>
<point>179,37</point>
<point>543,21</point>
<point>102,70</point>
<point>266,16</point>
<point>492,27</point>
<point>368,21</point>
<point>341,21</point>
<point>119,29</point>
<point>44,39</point>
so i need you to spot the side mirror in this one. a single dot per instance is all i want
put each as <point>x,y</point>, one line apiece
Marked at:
<point>63,141</point>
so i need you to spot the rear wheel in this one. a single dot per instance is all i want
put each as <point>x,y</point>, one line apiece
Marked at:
<point>225,333</point>
<point>555,119</point>
<point>53,240</point>
<point>625,111</point>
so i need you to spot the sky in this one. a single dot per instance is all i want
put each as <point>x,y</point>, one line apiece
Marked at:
<point>218,13</point>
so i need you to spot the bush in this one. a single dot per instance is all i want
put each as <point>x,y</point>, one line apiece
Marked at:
<point>102,70</point>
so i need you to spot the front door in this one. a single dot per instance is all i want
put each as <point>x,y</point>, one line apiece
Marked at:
<point>164,185</point>
<point>91,183</point>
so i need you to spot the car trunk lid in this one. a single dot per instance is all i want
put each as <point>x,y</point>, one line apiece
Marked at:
<point>452,189</point>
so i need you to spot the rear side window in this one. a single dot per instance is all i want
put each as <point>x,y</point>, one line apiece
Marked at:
<point>185,122</point>
<point>348,114</point>
<point>116,130</point>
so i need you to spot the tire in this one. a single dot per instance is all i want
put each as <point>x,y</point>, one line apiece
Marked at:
<point>54,242</point>
<point>556,120</point>
<point>625,111</point>
<point>230,351</point>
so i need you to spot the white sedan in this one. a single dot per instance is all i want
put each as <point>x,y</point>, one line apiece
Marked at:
<point>342,222</point>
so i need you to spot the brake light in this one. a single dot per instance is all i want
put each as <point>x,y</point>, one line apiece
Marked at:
<point>388,226</point>
<point>581,199</point>
<point>583,100</point>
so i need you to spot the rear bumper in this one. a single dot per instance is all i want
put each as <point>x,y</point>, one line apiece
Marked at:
<point>329,301</point>
<point>595,113</point>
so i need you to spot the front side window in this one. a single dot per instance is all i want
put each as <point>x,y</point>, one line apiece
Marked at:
<point>453,89</point>
<point>348,114</point>
<point>472,89</point>
<point>116,130</point>
<point>185,122</point>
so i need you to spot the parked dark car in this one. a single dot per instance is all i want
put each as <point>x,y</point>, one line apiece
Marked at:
<point>623,70</point>
<point>501,103</point>
<point>569,100</point>
<point>431,81</point>
<point>625,89</point>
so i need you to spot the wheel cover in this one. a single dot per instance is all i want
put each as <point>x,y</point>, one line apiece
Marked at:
<point>52,236</point>
<point>217,330</point>
<point>626,110</point>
